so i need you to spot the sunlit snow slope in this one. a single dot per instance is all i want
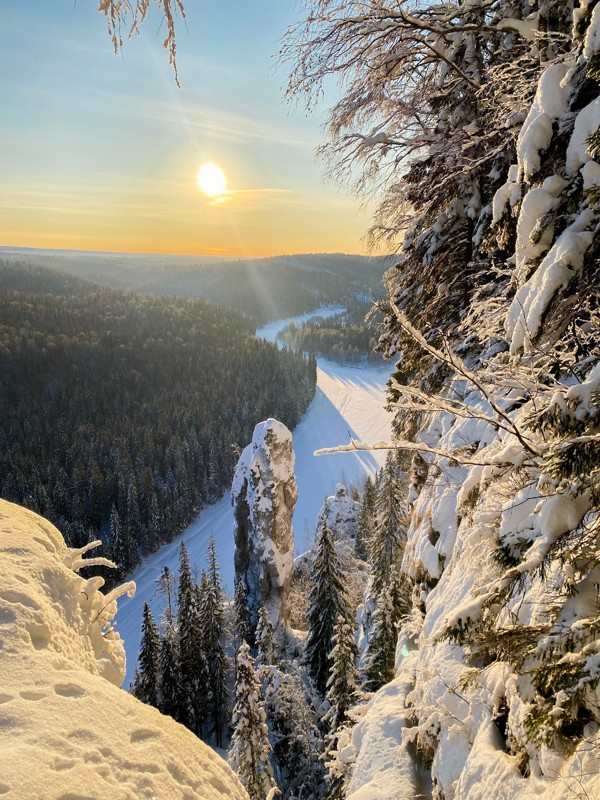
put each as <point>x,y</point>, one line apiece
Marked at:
<point>349,402</point>
<point>67,732</point>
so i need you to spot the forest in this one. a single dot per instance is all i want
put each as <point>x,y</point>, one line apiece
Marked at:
<point>263,289</point>
<point>123,413</point>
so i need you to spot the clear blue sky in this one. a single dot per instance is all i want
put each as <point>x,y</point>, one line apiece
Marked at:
<point>101,152</point>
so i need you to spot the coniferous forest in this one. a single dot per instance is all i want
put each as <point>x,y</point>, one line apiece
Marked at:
<point>122,413</point>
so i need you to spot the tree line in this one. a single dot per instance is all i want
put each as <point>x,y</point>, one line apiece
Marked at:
<point>123,413</point>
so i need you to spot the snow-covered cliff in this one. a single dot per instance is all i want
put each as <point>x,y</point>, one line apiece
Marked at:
<point>66,729</point>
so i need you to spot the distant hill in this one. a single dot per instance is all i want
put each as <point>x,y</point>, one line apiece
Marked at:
<point>264,289</point>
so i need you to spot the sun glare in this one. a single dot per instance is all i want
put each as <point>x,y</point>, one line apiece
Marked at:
<point>211,180</point>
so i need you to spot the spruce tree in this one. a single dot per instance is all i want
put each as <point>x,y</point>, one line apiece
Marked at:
<point>145,686</point>
<point>250,751</point>
<point>211,627</point>
<point>265,644</point>
<point>191,657</point>
<point>326,603</point>
<point>366,516</point>
<point>343,682</point>
<point>170,674</point>
<point>242,618</point>
<point>294,734</point>
<point>389,534</point>
<point>379,667</point>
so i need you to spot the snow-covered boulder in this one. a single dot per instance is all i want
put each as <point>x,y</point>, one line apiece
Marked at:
<point>263,494</point>
<point>340,513</point>
<point>66,728</point>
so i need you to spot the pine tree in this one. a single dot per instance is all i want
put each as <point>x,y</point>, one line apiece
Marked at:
<point>294,734</point>
<point>211,627</point>
<point>366,516</point>
<point>170,673</point>
<point>265,644</point>
<point>343,682</point>
<point>249,752</point>
<point>379,668</point>
<point>389,534</point>
<point>326,603</point>
<point>242,618</point>
<point>122,546</point>
<point>191,656</point>
<point>145,686</point>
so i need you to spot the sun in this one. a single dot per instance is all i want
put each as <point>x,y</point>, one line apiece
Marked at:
<point>211,180</point>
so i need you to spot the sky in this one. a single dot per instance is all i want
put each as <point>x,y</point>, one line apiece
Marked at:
<point>101,152</point>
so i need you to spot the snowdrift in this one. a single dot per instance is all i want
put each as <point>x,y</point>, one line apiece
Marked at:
<point>67,731</point>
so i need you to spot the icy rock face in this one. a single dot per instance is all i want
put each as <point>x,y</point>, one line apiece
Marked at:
<point>340,512</point>
<point>263,494</point>
<point>66,729</point>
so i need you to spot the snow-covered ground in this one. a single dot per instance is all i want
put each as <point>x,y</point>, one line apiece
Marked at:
<point>67,732</point>
<point>349,402</point>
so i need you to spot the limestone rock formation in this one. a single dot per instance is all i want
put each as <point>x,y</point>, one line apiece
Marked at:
<point>264,493</point>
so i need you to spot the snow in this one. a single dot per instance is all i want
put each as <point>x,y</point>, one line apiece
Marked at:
<point>549,104</point>
<point>587,122</point>
<point>592,36</point>
<point>349,401</point>
<point>563,261</point>
<point>536,203</point>
<point>66,732</point>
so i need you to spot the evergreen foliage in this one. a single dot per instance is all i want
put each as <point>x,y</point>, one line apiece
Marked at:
<point>211,619</point>
<point>265,644</point>
<point>242,618</point>
<point>192,664</point>
<point>146,682</point>
<point>343,681</point>
<point>109,402</point>
<point>366,519</point>
<point>326,603</point>
<point>389,533</point>
<point>379,666</point>
<point>170,673</point>
<point>294,734</point>
<point>250,750</point>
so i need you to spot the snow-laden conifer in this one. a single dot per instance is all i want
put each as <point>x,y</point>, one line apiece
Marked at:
<point>191,656</point>
<point>389,532</point>
<point>366,518</point>
<point>250,751</point>
<point>343,681</point>
<point>211,618</point>
<point>326,603</point>
<point>265,644</point>
<point>146,683</point>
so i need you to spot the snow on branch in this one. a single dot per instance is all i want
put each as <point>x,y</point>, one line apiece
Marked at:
<point>454,455</point>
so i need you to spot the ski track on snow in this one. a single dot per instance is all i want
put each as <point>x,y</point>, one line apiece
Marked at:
<point>349,402</point>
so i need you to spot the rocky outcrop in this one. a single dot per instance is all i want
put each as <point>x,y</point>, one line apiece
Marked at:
<point>263,495</point>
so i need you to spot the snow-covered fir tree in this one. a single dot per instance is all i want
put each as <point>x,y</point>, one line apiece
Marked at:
<point>211,627</point>
<point>146,684</point>
<point>250,750</point>
<point>265,643</point>
<point>294,733</point>
<point>170,672</point>
<point>343,682</point>
<point>366,518</point>
<point>389,531</point>
<point>192,664</point>
<point>379,662</point>
<point>241,619</point>
<point>326,603</point>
